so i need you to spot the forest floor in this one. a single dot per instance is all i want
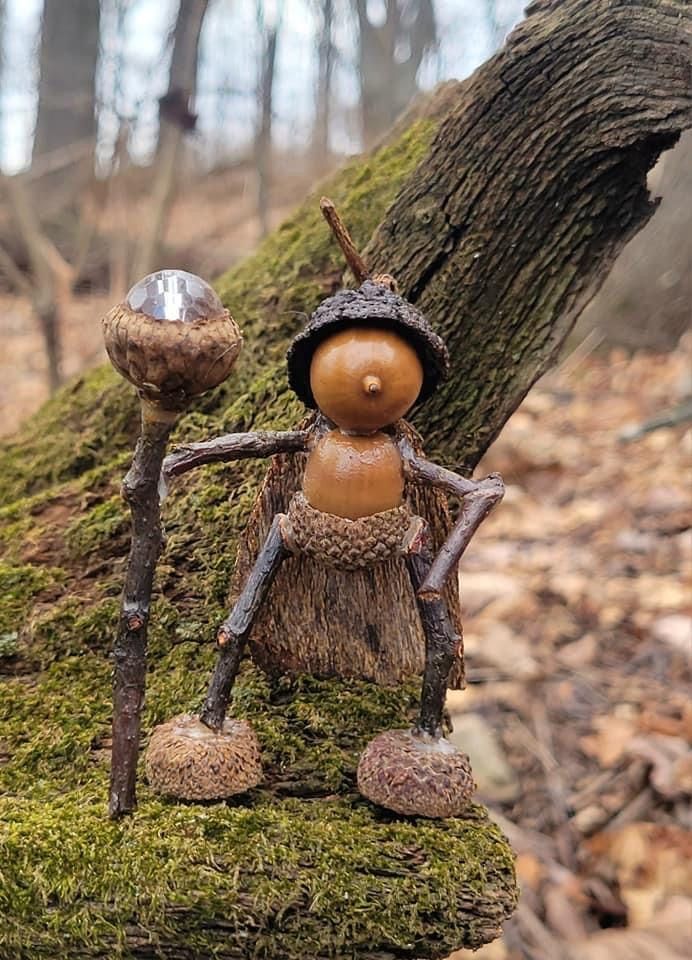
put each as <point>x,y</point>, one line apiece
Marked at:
<point>577,600</point>
<point>578,622</point>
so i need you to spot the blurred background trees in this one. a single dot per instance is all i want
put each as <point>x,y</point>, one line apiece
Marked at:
<point>136,134</point>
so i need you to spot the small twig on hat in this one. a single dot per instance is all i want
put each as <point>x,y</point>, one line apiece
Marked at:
<point>344,239</point>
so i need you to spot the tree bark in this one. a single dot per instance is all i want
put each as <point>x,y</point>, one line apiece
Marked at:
<point>66,94</point>
<point>388,79</point>
<point>646,301</point>
<point>175,119</point>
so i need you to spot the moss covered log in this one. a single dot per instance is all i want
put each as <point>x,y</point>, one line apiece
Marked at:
<point>498,207</point>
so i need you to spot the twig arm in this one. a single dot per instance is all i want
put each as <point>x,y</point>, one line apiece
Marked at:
<point>233,446</point>
<point>442,643</point>
<point>478,499</point>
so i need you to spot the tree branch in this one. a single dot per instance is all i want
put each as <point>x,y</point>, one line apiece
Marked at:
<point>534,183</point>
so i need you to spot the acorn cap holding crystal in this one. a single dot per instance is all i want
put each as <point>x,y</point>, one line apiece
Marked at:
<point>172,338</point>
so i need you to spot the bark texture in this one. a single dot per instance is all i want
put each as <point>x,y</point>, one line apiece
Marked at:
<point>532,187</point>
<point>66,116</point>
<point>141,491</point>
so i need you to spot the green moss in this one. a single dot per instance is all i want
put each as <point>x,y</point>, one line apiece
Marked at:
<point>19,586</point>
<point>298,880</point>
<point>94,418</point>
<point>83,425</point>
<point>326,875</point>
<point>94,530</point>
<point>300,867</point>
<point>71,625</point>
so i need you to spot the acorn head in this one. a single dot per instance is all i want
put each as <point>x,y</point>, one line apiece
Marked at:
<point>172,338</point>
<point>375,306</point>
<point>365,378</point>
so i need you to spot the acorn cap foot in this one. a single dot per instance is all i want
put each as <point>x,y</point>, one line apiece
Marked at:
<point>415,774</point>
<point>187,760</point>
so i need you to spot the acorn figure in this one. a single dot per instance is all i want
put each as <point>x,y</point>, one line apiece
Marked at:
<point>174,340</point>
<point>364,359</point>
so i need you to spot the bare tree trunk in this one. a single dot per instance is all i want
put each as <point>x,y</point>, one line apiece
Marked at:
<point>66,114</point>
<point>387,76</point>
<point>323,98</point>
<point>504,255</point>
<point>175,118</point>
<point>646,302</point>
<point>263,137</point>
<point>52,278</point>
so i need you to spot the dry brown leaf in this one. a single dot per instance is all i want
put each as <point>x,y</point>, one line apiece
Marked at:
<point>501,647</point>
<point>530,871</point>
<point>492,771</point>
<point>667,937</point>
<point>609,743</point>
<point>651,721</point>
<point>651,862</point>
<point>671,763</point>
<point>676,630</point>
<point>580,652</point>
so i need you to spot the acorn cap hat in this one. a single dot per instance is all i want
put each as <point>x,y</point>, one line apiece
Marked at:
<point>371,305</point>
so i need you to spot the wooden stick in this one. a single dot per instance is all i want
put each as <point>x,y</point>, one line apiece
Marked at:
<point>441,639</point>
<point>233,446</point>
<point>478,497</point>
<point>235,629</point>
<point>344,239</point>
<point>141,490</point>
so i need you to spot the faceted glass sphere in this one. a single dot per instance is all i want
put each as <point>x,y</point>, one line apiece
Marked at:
<point>174,295</point>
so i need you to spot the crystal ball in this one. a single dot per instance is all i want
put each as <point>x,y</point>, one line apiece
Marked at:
<point>174,295</point>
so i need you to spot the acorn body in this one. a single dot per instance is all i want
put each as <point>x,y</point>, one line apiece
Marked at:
<point>354,476</point>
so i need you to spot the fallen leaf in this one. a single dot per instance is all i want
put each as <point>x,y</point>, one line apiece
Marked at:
<point>609,743</point>
<point>671,763</point>
<point>501,647</point>
<point>530,871</point>
<point>667,937</point>
<point>491,769</point>
<point>675,630</point>
<point>580,652</point>
<point>651,863</point>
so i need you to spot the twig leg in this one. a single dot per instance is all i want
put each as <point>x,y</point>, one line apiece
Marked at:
<point>235,630</point>
<point>141,490</point>
<point>441,639</point>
